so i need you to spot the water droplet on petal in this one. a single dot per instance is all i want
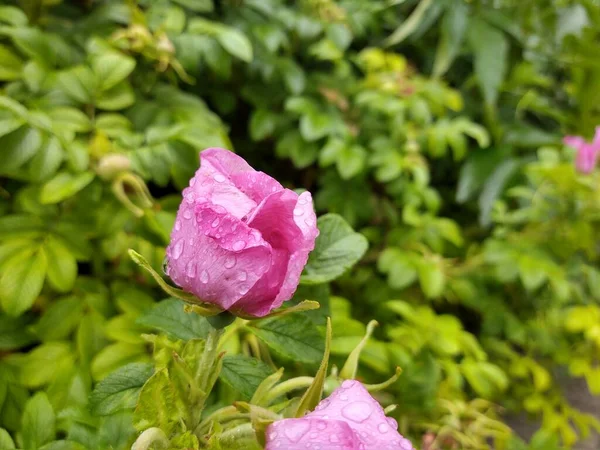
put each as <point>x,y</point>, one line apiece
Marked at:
<point>178,249</point>
<point>219,178</point>
<point>348,384</point>
<point>357,411</point>
<point>273,435</point>
<point>192,182</point>
<point>215,223</point>
<point>204,276</point>
<point>178,224</point>
<point>392,422</point>
<point>310,221</point>
<point>190,269</point>
<point>383,428</point>
<point>321,425</point>
<point>344,397</point>
<point>298,211</point>
<point>238,245</point>
<point>242,276</point>
<point>296,429</point>
<point>244,288</point>
<point>230,261</point>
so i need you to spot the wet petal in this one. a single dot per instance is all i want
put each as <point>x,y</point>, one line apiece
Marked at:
<point>310,434</point>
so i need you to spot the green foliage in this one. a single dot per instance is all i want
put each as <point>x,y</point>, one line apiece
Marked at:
<point>475,247</point>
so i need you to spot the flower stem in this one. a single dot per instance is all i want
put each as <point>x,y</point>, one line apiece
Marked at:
<point>151,437</point>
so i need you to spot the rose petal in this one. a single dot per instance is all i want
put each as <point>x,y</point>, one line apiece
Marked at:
<point>307,434</point>
<point>353,404</point>
<point>574,141</point>
<point>586,158</point>
<point>214,255</point>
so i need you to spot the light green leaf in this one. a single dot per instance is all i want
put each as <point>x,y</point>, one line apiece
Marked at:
<point>11,67</point>
<point>315,125</point>
<point>13,16</point>
<point>262,124</point>
<point>38,422</point>
<point>62,445</point>
<point>399,266</point>
<point>72,119</point>
<point>22,280</point>
<point>293,76</point>
<point>494,187</point>
<point>532,272</point>
<point>409,25</point>
<point>62,266</point>
<point>118,97</point>
<point>490,47</point>
<point>351,161</point>
<point>47,161</point>
<point>43,364</point>
<point>9,125</point>
<point>244,374</point>
<point>34,43</point>
<point>432,277</point>
<point>202,6</point>
<point>120,389</point>
<point>18,147</point>
<point>235,43</point>
<point>111,68</point>
<point>337,248</point>
<point>63,186</point>
<point>6,442</point>
<point>293,336</point>
<point>170,317</point>
<point>14,333</point>
<point>112,357</point>
<point>157,405</point>
<point>79,83</point>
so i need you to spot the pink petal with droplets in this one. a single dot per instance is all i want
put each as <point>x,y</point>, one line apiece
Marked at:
<point>307,434</point>
<point>586,158</point>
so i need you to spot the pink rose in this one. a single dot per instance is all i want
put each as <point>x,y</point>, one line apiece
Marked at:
<point>241,239</point>
<point>349,419</point>
<point>587,153</point>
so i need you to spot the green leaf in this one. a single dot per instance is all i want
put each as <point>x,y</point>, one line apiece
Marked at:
<point>532,272</point>
<point>9,125</point>
<point>14,333</point>
<point>351,161</point>
<point>197,5</point>
<point>494,187</point>
<point>79,83</point>
<point>12,65</point>
<point>13,16</point>
<point>6,442</point>
<point>432,277</point>
<point>60,319</point>
<point>63,186</point>
<point>62,445</point>
<point>22,280</point>
<point>43,364</point>
<point>116,431</point>
<point>244,374</point>
<point>18,147</point>
<point>453,28</point>
<point>292,336</point>
<point>409,25</point>
<point>293,76</point>
<point>314,393</point>
<point>337,248</point>
<point>170,317</point>
<point>120,389</point>
<point>47,161</point>
<point>62,266</point>
<point>262,124</point>
<point>72,119</point>
<point>490,49</point>
<point>315,125</point>
<point>118,97</point>
<point>399,266</point>
<point>476,170</point>
<point>486,379</point>
<point>111,68</point>
<point>34,43</point>
<point>157,405</point>
<point>38,422</point>
<point>235,43</point>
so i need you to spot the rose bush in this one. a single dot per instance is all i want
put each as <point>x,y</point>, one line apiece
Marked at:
<point>240,240</point>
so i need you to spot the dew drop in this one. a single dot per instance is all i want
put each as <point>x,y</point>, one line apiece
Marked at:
<point>298,211</point>
<point>314,435</point>
<point>392,423</point>
<point>178,224</point>
<point>344,397</point>
<point>347,384</point>
<point>204,276</point>
<point>244,288</point>
<point>238,245</point>
<point>219,178</point>
<point>357,411</point>
<point>178,249</point>
<point>230,261</point>
<point>190,269</point>
<point>215,223</point>
<point>334,438</point>
<point>383,428</point>
<point>321,425</point>
<point>242,276</point>
<point>192,182</point>
<point>310,221</point>
<point>273,435</point>
<point>296,429</point>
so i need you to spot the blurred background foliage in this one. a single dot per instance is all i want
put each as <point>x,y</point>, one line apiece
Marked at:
<point>433,127</point>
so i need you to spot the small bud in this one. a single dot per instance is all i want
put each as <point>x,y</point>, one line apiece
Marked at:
<point>112,165</point>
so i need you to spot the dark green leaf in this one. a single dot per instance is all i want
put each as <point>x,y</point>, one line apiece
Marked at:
<point>22,280</point>
<point>244,374</point>
<point>338,248</point>
<point>19,147</point>
<point>120,389</point>
<point>111,68</point>
<point>63,186</point>
<point>236,43</point>
<point>494,187</point>
<point>62,266</point>
<point>293,336</point>
<point>454,26</point>
<point>170,317</point>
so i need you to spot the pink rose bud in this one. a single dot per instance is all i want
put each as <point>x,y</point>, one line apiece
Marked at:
<point>240,240</point>
<point>587,153</point>
<point>349,419</point>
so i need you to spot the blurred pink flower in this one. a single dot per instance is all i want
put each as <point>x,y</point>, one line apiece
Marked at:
<point>587,152</point>
<point>349,419</point>
<point>240,239</point>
